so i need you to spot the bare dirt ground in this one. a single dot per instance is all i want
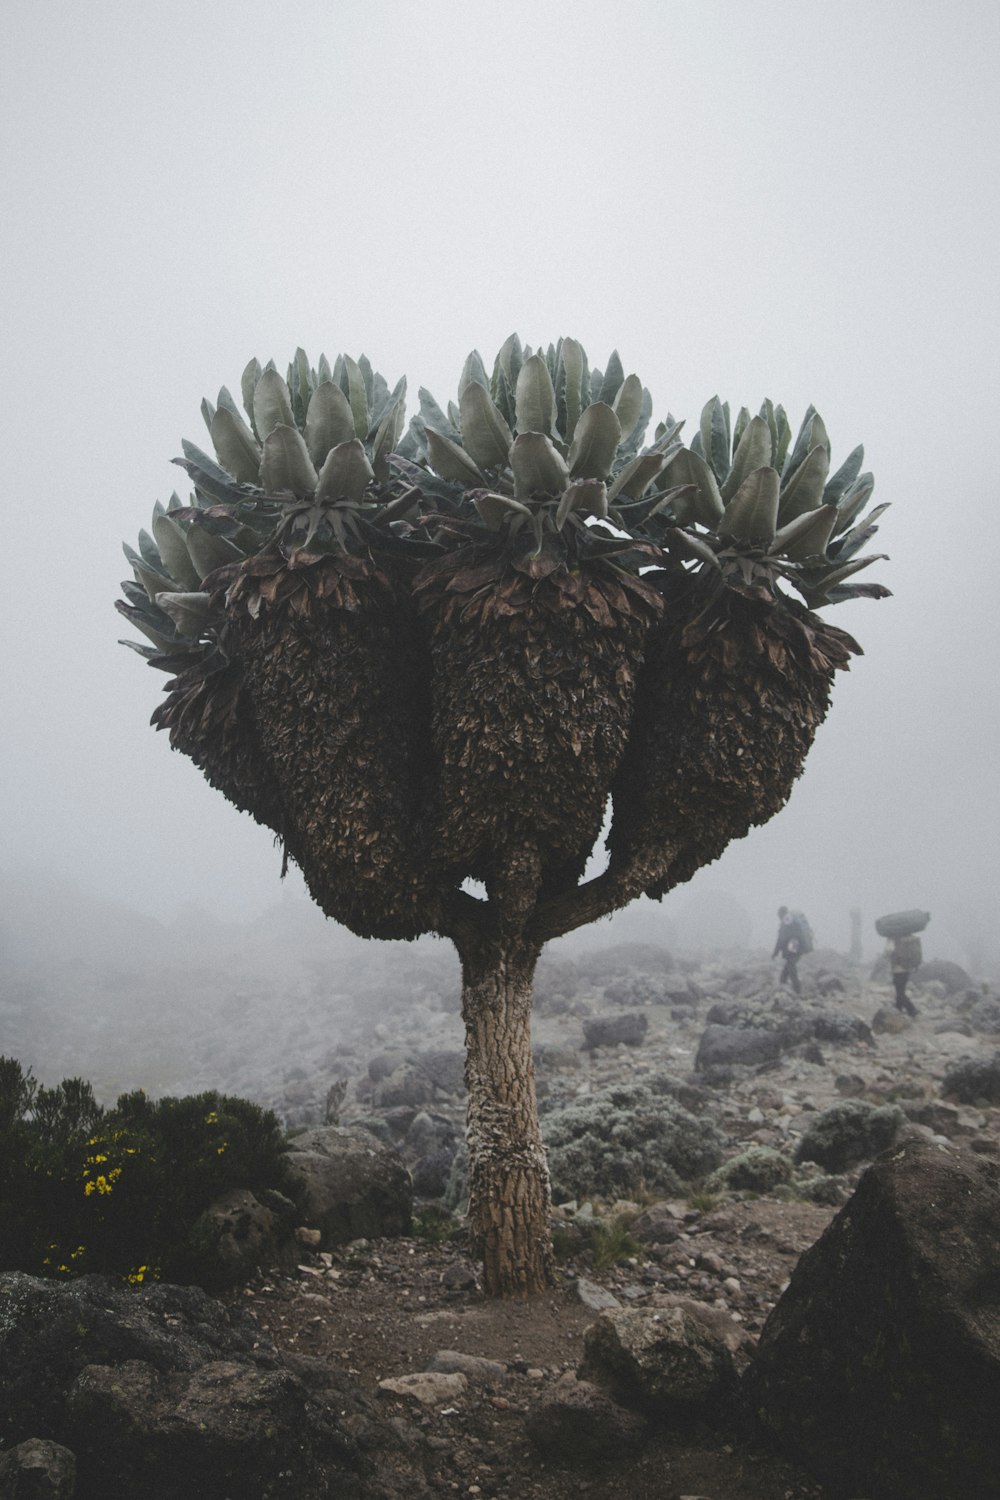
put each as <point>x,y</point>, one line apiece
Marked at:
<point>384,1308</point>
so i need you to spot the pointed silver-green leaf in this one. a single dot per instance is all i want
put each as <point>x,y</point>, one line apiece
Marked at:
<point>386,438</point>
<point>271,405</point>
<point>627,405</point>
<point>742,422</point>
<point>149,551</point>
<point>329,421</point>
<point>595,442</point>
<point>189,612</point>
<point>358,396</point>
<point>485,434</point>
<point>236,447</point>
<point>587,497</point>
<point>838,484</point>
<point>495,509</point>
<point>821,584</point>
<point>807,535</point>
<point>637,475</point>
<point>854,502</point>
<point>152,580</point>
<point>574,363</point>
<point>714,429</point>
<point>208,551</point>
<point>538,467</point>
<point>612,379</point>
<point>285,465</point>
<point>248,385</point>
<point>473,369</point>
<point>805,442</point>
<point>856,538</point>
<point>346,472</point>
<point>535,397</point>
<point>226,403</point>
<point>450,460</point>
<point>159,638</point>
<point>687,467</point>
<point>207,412</point>
<point>804,491</point>
<point>752,513</point>
<point>753,451</point>
<point>687,544</point>
<point>171,541</point>
<point>509,359</point>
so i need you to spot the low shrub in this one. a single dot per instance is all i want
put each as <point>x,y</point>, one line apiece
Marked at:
<point>850,1132</point>
<point>759,1169</point>
<point>119,1191</point>
<point>624,1141</point>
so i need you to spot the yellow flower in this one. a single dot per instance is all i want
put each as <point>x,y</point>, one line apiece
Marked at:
<point>211,1118</point>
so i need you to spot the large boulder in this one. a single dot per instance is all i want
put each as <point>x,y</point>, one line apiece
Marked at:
<point>737,1046</point>
<point>879,1369</point>
<point>37,1470</point>
<point>238,1235</point>
<point>162,1392</point>
<point>628,1029</point>
<point>677,1362</point>
<point>973,1080</point>
<point>356,1188</point>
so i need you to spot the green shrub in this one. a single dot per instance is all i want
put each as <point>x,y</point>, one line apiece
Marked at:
<point>849,1132</point>
<point>627,1140</point>
<point>759,1169</point>
<point>83,1189</point>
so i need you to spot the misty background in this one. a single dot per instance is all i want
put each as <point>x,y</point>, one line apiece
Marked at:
<point>756,199</point>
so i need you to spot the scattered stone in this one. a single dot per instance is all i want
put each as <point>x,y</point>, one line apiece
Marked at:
<point>888,1021</point>
<point>676,1361</point>
<point>38,1469</point>
<point>428,1387</point>
<point>660,1224</point>
<point>472,1366</point>
<point>880,1366</point>
<point>237,1236</point>
<point>577,1423</point>
<point>973,1081</point>
<point>597,1298</point>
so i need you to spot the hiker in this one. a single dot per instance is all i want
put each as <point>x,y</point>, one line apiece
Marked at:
<point>790,944</point>
<point>905,955</point>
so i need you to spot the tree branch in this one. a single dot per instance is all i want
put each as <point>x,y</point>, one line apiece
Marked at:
<point>614,888</point>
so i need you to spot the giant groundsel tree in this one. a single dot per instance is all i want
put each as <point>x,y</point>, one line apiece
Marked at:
<point>429,658</point>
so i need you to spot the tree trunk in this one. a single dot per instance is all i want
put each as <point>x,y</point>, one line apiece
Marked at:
<point>508,1177</point>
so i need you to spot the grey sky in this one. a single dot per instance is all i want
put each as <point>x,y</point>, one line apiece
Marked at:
<point>787,199</point>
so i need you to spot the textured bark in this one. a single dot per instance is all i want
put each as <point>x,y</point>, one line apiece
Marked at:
<point>508,1177</point>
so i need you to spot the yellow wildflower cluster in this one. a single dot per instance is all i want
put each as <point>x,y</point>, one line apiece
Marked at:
<point>141,1274</point>
<point>102,1183</point>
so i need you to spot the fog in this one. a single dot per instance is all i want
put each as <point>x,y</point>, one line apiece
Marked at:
<point>763,200</point>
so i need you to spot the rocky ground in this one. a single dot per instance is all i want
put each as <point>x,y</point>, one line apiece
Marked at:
<point>379,1310</point>
<point>385,1309</point>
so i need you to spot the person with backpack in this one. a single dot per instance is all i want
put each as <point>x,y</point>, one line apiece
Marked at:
<point>794,939</point>
<point>905,955</point>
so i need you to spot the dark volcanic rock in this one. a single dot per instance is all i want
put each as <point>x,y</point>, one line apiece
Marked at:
<point>608,1031</point>
<point>38,1470</point>
<point>162,1392</point>
<point>879,1369</point>
<point>678,1361</point>
<point>576,1423</point>
<point>943,971</point>
<point>737,1046</point>
<point>356,1188</point>
<point>971,1080</point>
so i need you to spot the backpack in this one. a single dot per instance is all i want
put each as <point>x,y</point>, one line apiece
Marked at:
<point>807,941</point>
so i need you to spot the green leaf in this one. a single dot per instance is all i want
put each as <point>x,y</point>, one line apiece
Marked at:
<point>386,438</point>
<point>627,405</point>
<point>485,434</point>
<point>804,491</point>
<point>535,397</point>
<point>358,395</point>
<point>715,437</point>
<point>854,502</point>
<point>190,613</point>
<point>473,370</point>
<point>207,413</point>
<point>856,538</point>
<point>686,467</point>
<point>637,475</point>
<point>271,405</point>
<point>329,421</point>
<point>612,380</point>
<point>143,622</point>
<point>588,497</point>
<point>686,544</point>
<point>819,584</point>
<point>752,513</point>
<point>248,385</point>
<point>432,415</point>
<point>574,364</point>
<point>753,451</point>
<point>496,509</point>
<point>538,467</point>
<point>285,465</point>
<point>838,484</point>
<point>509,360</point>
<point>209,551</point>
<point>152,580</point>
<point>236,447</point>
<point>450,460</point>
<point>595,442</point>
<point>807,535</point>
<point>170,538</point>
<point>346,473</point>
